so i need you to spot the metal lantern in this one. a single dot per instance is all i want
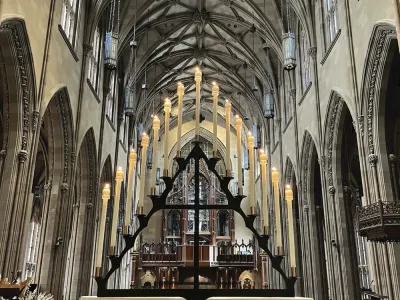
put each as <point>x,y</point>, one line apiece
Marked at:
<point>130,96</point>
<point>111,50</point>
<point>289,51</point>
<point>269,105</point>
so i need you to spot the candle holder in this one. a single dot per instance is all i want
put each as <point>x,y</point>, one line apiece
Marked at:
<point>159,202</point>
<point>293,272</point>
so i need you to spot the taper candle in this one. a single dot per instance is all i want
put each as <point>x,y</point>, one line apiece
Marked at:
<point>275,181</point>
<point>292,253</point>
<point>197,78</point>
<point>105,196</point>
<point>228,106</point>
<point>156,128</point>
<point>145,144</point>
<point>215,94</point>
<point>180,92</point>
<point>167,110</point>
<point>119,177</point>
<point>263,165</point>
<point>239,123</point>
<point>131,172</point>
<point>250,144</point>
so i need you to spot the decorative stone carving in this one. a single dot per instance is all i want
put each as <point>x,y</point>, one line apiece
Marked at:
<point>376,66</point>
<point>373,159</point>
<point>87,48</point>
<point>75,206</point>
<point>64,187</point>
<point>3,154</point>
<point>392,158</point>
<point>35,120</point>
<point>331,190</point>
<point>22,156</point>
<point>47,186</point>
<point>306,209</point>
<point>336,106</point>
<point>65,126</point>
<point>200,18</point>
<point>73,157</point>
<point>6,100</point>
<point>312,51</point>
<point>347,190</point>
<point>306,157</point>
<point>89,206</point>
<point>361,125</point>
<point>24,86</point>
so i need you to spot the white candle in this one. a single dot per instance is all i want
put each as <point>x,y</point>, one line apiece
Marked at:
<point>275,181</point>
<point>156,128</point>
<point>289,201</point>
<point>132,164</point>
<point>197,78</point>
<point>119,177</point>
<point>167,109</point>
<point>215,94</point>
<point>250,144</point>
<point>181,92</point>
<point>100,244</point>
<point>228,106</point>
<point>239,123</point>
<point>145,144</point>
<point>263,164</point>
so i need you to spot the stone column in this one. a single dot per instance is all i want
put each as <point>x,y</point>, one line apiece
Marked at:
<point>3,154</point>
<point>393,163</point>
<point>373,159</point>
<point>396,8</point>
<point>12,248</point>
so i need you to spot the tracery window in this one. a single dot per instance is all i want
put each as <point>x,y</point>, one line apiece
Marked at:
<point>34,233</point>
<point>69,19</point>
<point>173,220</point>
<point>331,19</point>
<point>223,223</point>
<point>305,60</point>
<point>93,69</point>
<point>204,215</point>
<point>110,105</point>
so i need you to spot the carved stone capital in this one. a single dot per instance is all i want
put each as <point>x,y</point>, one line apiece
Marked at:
<point>331,190</point>
<point>322,161</point>
<point>22,156</point>
<point>373,159</point>
<point>64,187</point>
<point>292,93</point>
<point>306,209</point>
<point>87,48</point>
<point>3,154</point>
<point>35,120</point>
<point>346,190</point>
<point>312,51</point>
<point>47,186</point>
<point>392,158</point>
<point>73,157</point>
<point>360,120</point>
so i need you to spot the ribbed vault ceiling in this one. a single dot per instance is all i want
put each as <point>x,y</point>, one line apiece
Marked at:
<point>237,43</point>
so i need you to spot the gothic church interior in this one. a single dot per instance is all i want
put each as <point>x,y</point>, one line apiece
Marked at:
<point>294,100</point>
